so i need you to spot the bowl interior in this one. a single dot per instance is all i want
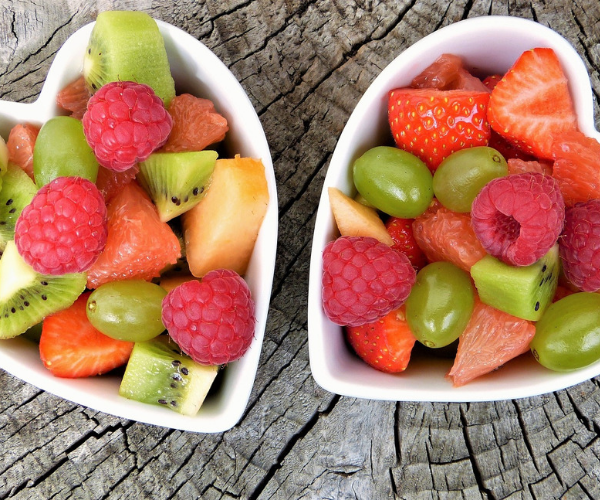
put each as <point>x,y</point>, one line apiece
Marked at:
<point>198,71</point>
<point>487,45</point>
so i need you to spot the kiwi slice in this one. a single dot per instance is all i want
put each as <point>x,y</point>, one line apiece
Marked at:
<point>177,181</point>
<point>17,192</point>
<point>27,297</point>
<point>525,291</point>
<point>128,46</point>
<point>158,373</point>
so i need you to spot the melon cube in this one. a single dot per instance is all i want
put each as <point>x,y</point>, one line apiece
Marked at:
<point>221,230</point>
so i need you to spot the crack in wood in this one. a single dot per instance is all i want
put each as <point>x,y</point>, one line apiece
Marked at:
<point>304,430</point>
<point>472,456</point>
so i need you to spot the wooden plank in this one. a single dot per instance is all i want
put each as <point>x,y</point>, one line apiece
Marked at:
<point>304,65</point>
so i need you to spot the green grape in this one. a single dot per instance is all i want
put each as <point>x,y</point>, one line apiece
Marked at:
<point>394,181</point>
<point>460,177</point>
<point>567,336</point>
<point>61,150</point>
<point>127,310</point>
<point>440,304</point>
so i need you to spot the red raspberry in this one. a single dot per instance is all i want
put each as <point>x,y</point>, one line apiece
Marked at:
<point>211,320</point>
<point>63,229</point>
<point>518,218</point>
<point>579,245</point>
<point>363,280</point>
<point>124,123</point>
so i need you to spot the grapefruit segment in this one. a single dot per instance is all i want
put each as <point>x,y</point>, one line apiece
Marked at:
<point>74,98</point>
<point>21,141</point>
<point>196,124</point>
<point>491,338</point>
<point>446,235</point>
<point>139,245</point>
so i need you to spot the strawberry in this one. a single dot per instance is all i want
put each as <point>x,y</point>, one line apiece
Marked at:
<point>70,347</point>
<point>404,241</point>
<point>432,124</point>
<point>491,81</point>
<point>385,344</point>
<point>531,103</point>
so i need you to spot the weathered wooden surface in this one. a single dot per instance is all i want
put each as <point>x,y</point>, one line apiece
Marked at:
<point>304,65</point>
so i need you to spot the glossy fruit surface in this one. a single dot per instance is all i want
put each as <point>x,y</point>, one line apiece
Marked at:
<point>394,181</point>
<point>446,235</point>
<point>568,334</point>
<point>576,167</point>
<point>196,124</point>
<point>20,143</point>
<point>138,245</point>
<point>440,304</point>
<point>447,73</point>
<point>401,232</point>
<point>519,107</point>
<point>385,344</point>
<point>432,123</point>
<point>491,338</point>
<point>71,347</point>
<point>73,158</point>
<point>461,176</point>
<point>127,310</point>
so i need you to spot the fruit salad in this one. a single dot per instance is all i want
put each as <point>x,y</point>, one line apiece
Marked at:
<point>490,194</point>
<point>125,237</point>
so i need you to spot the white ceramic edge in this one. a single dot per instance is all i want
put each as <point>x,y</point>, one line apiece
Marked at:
<point>331,369</point>
<point>246,137</point>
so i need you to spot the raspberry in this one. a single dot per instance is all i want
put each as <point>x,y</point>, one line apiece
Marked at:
<point>579,245</point>
<point>211,320</point>
<point>124,123</point>
<point>518,218</point>
<point>63,229</point>
<point>363,280</point>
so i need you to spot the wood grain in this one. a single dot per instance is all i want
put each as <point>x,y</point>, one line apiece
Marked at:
<point>304,65</point>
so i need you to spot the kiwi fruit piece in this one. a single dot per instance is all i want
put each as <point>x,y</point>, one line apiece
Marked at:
<point>72,157</point>
<point>159,373</point>
<point>27,297</point>
<point>17,192</point>
<point>128,46</point>
<point>524,292</point>
<point>177,181</point>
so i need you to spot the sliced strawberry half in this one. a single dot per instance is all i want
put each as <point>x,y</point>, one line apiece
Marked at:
<point>532,104</point>
<point>70,347</point>
<point>432,124</point>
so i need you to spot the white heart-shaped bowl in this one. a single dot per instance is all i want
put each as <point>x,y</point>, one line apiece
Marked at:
<point>488,45</point>
<point>200,72</point>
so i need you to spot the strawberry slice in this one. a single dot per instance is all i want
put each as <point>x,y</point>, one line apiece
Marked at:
<point>432,124</point>
<point>531,103</point>
<point>70,347</point>
<point>385,344</point>
<point>404,241</point>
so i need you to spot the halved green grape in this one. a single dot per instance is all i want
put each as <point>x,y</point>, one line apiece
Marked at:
<point>567,337</point>
<point>61,150</point>
<point>394,181</point>
<point>127,310</point>
<point>440,304</point>
<point>460,177</point>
